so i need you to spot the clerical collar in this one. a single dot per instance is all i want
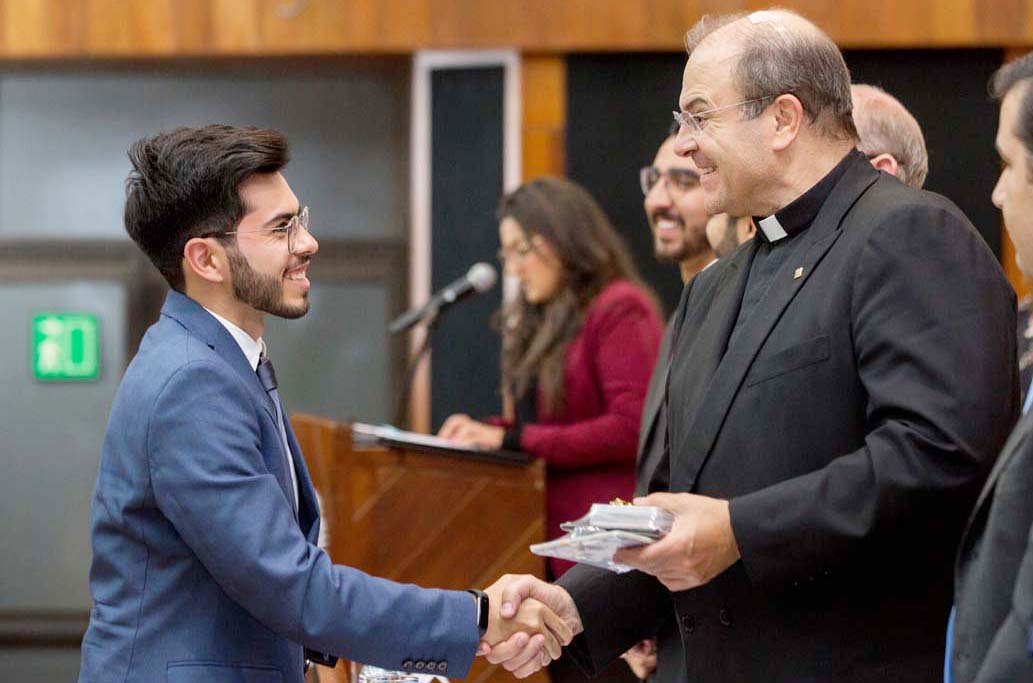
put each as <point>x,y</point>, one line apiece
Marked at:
<point>798,215</point>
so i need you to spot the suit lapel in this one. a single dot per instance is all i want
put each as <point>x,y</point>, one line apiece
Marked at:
<point>202,325</point>
<point>655,392</point>
<point>698,348</point>
<point>308,506</point>
<point>701,334</point>
<point>1012,446</point>
<point>706,417</point>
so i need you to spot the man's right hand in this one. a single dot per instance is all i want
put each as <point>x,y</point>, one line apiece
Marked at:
<point>519,654</point>
<point>642,659</point>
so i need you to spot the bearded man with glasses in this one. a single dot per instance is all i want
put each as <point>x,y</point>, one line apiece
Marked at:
<point>674,209</point>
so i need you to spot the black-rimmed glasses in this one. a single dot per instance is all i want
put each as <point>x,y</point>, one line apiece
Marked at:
<point>677,180</point>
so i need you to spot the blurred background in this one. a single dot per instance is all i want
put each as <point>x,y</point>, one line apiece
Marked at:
<point>407,120</point>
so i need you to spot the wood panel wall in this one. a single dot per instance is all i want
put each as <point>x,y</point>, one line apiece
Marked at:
<point>544,132</point>
<point>83,29</point>
<point>157,28</point>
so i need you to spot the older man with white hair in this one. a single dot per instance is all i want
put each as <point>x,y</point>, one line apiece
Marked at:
<point>992,629</point>
<point>837,393</point>
<point>889,135</point>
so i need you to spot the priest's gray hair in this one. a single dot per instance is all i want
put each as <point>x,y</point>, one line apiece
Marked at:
<point>783,53</point>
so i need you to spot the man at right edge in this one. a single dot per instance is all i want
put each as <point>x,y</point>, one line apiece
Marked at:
<point>992,626</point>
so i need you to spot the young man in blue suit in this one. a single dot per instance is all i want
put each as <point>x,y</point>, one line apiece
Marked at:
<point>204,521</point>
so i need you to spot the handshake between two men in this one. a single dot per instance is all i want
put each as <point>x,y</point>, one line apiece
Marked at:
<point>529,623</point>
<point>530,620</point>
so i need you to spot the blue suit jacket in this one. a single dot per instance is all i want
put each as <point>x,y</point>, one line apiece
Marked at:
<point>200,569</point>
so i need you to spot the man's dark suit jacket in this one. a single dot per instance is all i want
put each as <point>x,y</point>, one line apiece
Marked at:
<point>654,423</point>
<point>669,654</point>
<point>994,579</point>
<point>850,424</point>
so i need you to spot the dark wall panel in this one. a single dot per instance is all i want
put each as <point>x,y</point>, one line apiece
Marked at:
<point>466,163</point>
<point>619,110</point>
<point>946,92</point>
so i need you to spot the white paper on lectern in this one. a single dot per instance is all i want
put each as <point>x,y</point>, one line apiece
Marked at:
<point>415,438</point>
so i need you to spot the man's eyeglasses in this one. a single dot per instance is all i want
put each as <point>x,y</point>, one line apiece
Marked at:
<point>294,226</point>
<point>677,180</point>
<point>697,121</point>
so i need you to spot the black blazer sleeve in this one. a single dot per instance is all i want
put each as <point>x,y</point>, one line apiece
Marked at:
<point>617,611</point>
<point>932,321</point>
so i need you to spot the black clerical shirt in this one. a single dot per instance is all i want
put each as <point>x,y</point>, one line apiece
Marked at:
<point>775,233</point>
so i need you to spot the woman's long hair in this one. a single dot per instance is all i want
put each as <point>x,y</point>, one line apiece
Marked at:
<point>535,337</point>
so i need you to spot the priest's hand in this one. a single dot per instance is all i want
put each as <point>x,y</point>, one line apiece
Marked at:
<point>699,547</point>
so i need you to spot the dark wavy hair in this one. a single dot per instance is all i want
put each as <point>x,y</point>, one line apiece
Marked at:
<point>535,337</point>
<point>185,182</point>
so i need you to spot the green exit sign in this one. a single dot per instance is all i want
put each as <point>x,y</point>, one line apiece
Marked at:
<point>65,347</point>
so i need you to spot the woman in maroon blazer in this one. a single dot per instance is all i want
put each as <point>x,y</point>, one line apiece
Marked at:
<point>579,343</point>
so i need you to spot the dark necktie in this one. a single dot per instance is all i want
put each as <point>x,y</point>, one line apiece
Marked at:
<point>267,376</point>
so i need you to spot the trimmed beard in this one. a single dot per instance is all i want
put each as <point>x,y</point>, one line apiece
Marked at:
<point>689,247</point>
<point>261,292</point>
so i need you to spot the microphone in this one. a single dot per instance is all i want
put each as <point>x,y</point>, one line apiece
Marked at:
<point>479,279</point>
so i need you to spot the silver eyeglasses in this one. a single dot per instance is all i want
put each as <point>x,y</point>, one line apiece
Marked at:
<point>700,118</point>
<point>297,223</point>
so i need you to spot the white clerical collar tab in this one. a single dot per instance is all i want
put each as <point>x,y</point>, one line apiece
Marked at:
<point>772,229</point>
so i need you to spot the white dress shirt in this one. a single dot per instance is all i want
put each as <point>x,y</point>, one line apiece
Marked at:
<point>253,351</point>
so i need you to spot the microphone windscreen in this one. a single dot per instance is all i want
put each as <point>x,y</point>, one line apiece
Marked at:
<point>482,276</point>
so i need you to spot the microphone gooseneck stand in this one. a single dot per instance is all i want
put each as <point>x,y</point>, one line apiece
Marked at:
<point>405,391</point>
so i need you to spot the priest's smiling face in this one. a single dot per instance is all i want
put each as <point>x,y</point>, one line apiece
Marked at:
<point>732,153</point>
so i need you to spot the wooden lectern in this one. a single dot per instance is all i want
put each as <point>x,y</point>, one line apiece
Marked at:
<point>437,520</point>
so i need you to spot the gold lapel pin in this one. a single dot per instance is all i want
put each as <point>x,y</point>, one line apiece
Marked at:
<point>798,274</point>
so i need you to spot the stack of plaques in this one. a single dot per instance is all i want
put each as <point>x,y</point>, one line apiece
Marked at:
<point>594,538</point>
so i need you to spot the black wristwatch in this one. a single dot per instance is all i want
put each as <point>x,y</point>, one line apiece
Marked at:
<point>480,599</point>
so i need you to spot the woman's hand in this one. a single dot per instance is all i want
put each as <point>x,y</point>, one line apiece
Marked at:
<point>469,432</point>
